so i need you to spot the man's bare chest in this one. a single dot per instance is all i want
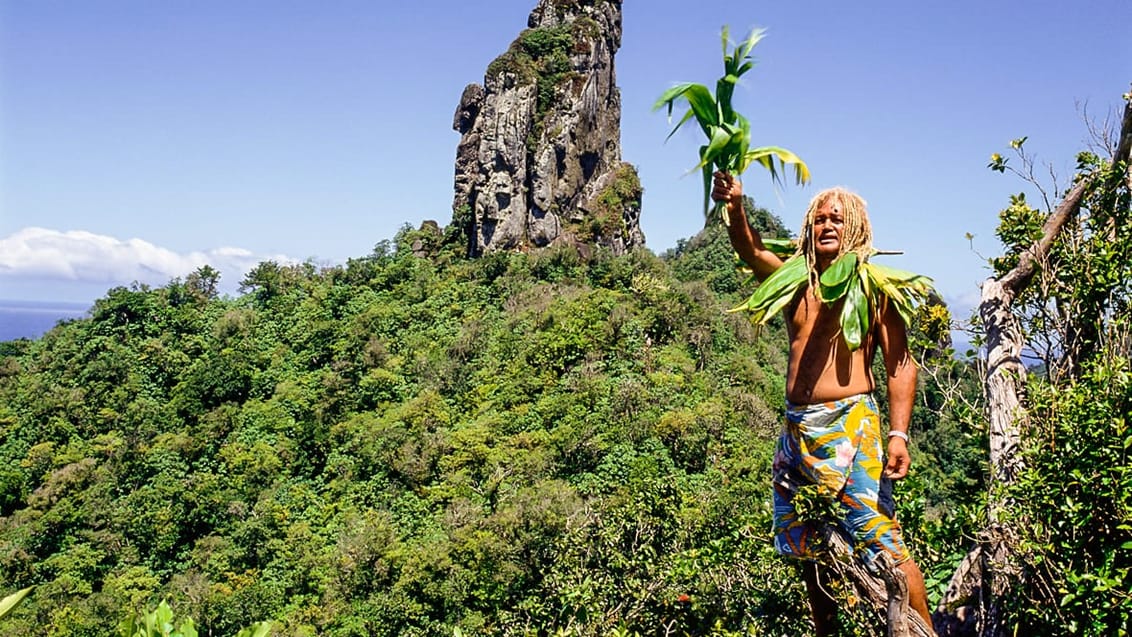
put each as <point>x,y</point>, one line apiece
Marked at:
<point>809,317</point>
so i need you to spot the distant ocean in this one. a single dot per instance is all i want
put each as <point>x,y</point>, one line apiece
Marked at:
<point>31,319</point>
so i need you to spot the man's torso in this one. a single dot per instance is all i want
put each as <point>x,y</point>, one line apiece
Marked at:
<point>821,366</point>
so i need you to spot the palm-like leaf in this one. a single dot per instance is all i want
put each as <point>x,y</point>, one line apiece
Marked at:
<point>688,114</point>
<point>777,290</point>
<point>766,156</point>
<point>904,290</point>
<point>727,131</point>
<point>782,248</point>
<point>701,104</point>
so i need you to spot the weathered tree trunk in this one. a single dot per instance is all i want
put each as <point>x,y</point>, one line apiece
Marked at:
<point>972,604</point>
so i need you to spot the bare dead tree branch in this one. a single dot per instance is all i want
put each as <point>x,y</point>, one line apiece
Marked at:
<point>1017,278</point>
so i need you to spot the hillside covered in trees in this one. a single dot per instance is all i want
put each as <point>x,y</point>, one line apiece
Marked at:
<point>418,443</point>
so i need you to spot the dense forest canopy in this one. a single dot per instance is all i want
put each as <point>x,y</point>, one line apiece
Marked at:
<point>416,442</point>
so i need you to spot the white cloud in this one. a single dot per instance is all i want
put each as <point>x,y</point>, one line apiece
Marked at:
<point>963,305</point>
<point>86,257</point>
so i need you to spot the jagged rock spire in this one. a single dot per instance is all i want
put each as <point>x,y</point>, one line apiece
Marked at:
<point>539,160</point>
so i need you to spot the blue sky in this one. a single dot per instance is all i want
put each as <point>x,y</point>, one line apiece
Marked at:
<point>141,139</point>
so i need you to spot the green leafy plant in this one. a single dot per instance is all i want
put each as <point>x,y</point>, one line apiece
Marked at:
<point>160,623</point>
<point>728,132</point>
<point>157,623</point>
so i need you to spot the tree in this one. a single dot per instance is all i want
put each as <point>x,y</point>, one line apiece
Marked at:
<point>974,603</point>
<point>204,282</point>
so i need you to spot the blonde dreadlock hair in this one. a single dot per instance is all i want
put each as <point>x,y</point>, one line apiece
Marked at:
<point>856,235</point>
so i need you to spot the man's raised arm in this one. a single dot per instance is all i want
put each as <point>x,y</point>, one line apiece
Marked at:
<point>745,239</point>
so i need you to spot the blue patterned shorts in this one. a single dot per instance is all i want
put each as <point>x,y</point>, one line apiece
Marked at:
<point>837,446</point>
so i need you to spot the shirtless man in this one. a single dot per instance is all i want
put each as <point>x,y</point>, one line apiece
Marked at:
<point>832,434</point>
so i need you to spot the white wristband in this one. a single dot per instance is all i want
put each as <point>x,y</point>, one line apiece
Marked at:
<point>898,434</point>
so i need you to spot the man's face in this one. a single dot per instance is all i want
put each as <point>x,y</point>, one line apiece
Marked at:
<point>829,224</point>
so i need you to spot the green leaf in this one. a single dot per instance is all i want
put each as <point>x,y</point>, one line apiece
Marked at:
<point>837,277</point>
<point>744,49</point>
<point>700,100</point>
<point>782,248</point>
<point>899,275</point>
<point>688,114</point>
<point>777,290</point>
<point>724,91</point>
<point>719,140</point>
<point>840,270</point>
<point>164,617</point>
<point>863,309</point>
<point>902,304</point>
<point>766,156</point>
<point>854,315</point>
<point>703,105</point>
<point>730,155</point>
<point>669,97</point>
<point>13,600</point>
<point>904,290</point>
<point>741,152</point>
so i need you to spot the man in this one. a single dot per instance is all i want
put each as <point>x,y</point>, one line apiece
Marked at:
<point>832,434</point>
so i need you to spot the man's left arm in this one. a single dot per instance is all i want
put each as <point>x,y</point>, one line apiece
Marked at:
<point>901,379</point>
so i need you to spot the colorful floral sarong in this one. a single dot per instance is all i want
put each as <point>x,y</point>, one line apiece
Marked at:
<point>837,446</point>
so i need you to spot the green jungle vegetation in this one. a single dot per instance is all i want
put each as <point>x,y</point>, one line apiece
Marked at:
<point>417,443</point>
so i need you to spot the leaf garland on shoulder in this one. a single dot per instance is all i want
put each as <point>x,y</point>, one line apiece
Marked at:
<point>777,290</point>
<point>859,282</point>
